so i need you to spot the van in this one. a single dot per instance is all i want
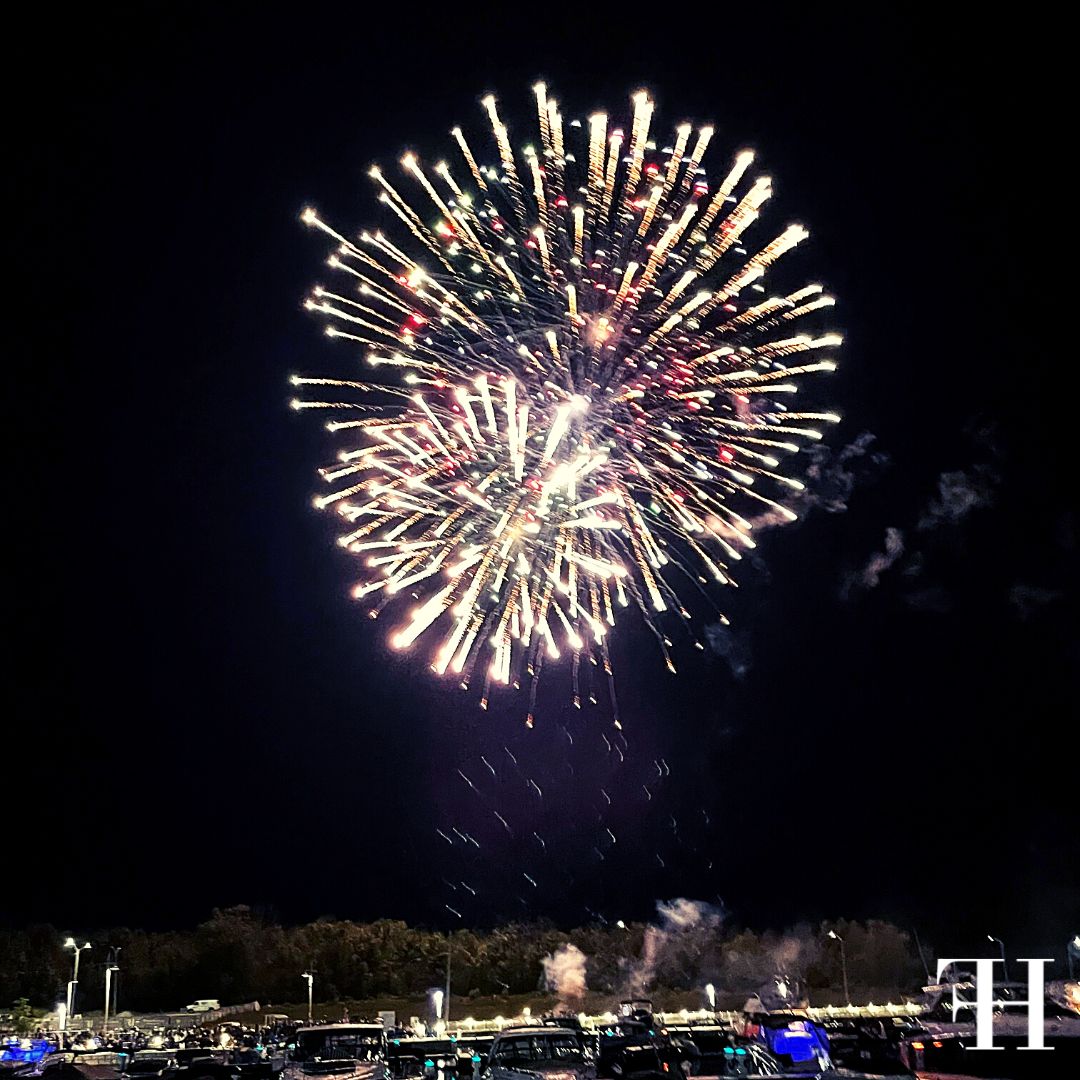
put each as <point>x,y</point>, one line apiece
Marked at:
<point>203,1005</point>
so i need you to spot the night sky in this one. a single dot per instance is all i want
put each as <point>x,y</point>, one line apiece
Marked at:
<point>200,716</point>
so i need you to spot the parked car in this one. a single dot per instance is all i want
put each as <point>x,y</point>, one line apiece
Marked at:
<point>345,1051</point>
<point>200,1063</point>
<point>23,1057</point>
<point>151,1064</point>
<point>795,1040</point>
<point>203,1005</point>
<point>549,1053</point>
<point>81,1065</point>
<point>870,1044</point>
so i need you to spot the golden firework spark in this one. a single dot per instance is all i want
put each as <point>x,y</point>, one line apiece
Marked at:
<point>587,394</point>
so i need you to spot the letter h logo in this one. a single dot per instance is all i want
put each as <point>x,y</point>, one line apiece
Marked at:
<point>984,1000</point>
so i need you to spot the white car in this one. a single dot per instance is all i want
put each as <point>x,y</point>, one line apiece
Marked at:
<point>203,1005</point>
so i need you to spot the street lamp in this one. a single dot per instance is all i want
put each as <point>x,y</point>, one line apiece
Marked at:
<point>1004,963</point>
<point>73,985</point>
<point>310,983</point>
<point>116,982</point>
<point>843,964</point>
<point>109,969</point>
<point>446,1001</point>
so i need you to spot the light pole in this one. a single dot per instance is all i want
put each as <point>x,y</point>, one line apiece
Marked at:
<point>1004,962</point>
<point>74,984</point>
<point>116,982</point>
<point>310,984</point>
<point>446,1000</point>
<point>109,969</point>
<point>843,964</point>
<point>922,955</point>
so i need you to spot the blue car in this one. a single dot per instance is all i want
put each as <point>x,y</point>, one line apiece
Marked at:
<point>797,1042</point>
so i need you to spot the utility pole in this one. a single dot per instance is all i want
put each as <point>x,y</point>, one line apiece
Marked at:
<point>843,964</point>
<point>1004,962</point>
<point>446,999</point>
<point>116,979</point>
<point>922,956</point>
<point>310,976</point>
<point>73,986</point>
<point>109,969</point>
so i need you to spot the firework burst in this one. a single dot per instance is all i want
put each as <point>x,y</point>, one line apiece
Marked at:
<point>585,396</point>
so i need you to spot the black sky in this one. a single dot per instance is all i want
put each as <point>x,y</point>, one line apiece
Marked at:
<point>191,691</point>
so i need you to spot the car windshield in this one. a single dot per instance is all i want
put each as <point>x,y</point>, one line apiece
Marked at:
<point>522,1049</point>
<point>362,1046</point>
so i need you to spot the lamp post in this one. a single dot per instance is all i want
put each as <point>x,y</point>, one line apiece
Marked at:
<point>109,969</point>
<point>446,1000</point>
<point>1004,963</point>
<point>310,984</point>
<point>116,981</point>
<point>74,984</point>
<point>843,964</point>
<point>922,955</point>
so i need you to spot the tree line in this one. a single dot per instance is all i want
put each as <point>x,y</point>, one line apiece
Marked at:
<point>240,955</point>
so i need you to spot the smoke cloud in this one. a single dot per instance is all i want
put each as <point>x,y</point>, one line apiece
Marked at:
<point>678,945</point>
<point>564,974</point>
<point>723,642</point>
<point>773,966</point>
<point>831,477</point>
<point>1029,600</point>
<point>880,561</point>
<point>958,494</point>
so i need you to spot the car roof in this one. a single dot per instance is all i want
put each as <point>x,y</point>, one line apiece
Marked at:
<point>341,1027</point>
<point>538,1029</point>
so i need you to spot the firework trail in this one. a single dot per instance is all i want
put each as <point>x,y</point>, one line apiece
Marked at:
<point>582,410</point>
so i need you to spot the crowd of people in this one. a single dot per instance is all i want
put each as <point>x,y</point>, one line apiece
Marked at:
<point>245,1044</point>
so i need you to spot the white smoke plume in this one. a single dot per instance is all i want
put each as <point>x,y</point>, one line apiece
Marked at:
<point>564,974</point>
<point>723,642</point>
<point>831,477</point>
<point>1029,600</point>
<point>685,932</point>
<point>958,494</point>
<point>773,966</point>
<point>880,561</point>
